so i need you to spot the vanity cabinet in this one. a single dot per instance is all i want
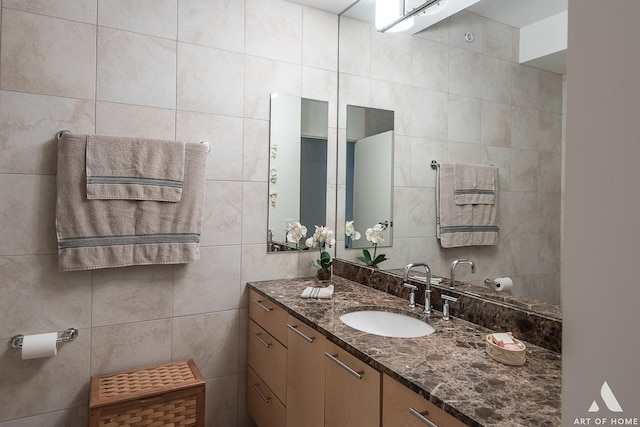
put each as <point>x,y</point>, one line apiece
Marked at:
<point>352,390</point>
<point>267,359</point>
<point>305,375</point>
<point>297,377</point>
<point>401,407</point>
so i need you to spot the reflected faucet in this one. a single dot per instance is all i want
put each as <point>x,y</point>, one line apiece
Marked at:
<point>427,290</point>
<point>455,263</point>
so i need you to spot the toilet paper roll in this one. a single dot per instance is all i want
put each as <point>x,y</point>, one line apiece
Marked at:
<point>503,284</point>
<point>39,345</point>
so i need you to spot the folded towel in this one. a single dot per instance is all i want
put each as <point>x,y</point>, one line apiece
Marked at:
<point>134,168</point>
<point>114,233</point>
<point>463,225</point>
<point>474,184</point>
<point>318,293</point>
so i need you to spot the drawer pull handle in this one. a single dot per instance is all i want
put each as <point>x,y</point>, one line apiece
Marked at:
<point>265,398</point>
<point>422,418</point>
<point>297,331</point>
<point>262,306</point>
<point>263,342</point>
<point>353,372</point>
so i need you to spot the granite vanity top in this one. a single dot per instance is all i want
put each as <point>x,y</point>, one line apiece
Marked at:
<point>449,367</point>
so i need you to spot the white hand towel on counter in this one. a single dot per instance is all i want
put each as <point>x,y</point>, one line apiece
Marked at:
<point>474,184</point>
<point>318,293</point>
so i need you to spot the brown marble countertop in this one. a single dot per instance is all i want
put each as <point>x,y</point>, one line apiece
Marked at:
<point>449,367</point>
<point>522,302</point>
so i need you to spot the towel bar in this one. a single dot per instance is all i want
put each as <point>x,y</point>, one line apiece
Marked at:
<point>68,335</point>
<point>60,133</point>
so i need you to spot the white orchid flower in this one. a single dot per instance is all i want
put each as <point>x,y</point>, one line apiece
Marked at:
<point>310,242</point>
<point>296,232</point>
<point>328,237</point>
<point>322,236</point>
<point>374,234</point>
<point>351,231</point>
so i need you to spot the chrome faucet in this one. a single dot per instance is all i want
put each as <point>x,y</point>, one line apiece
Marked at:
<point>455,263</point>
<point>427,290</point>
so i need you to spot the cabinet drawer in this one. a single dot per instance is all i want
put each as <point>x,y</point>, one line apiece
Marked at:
<point>263,406</point>
<point>268,358</point>
<point>401,407</point>
<point>270,316</point>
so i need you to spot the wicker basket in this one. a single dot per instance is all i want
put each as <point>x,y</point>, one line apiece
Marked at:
<point>506,356</point>
<point>161,395</point>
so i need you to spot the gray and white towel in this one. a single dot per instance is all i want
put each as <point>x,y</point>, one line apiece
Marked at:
<point>134,168</point>
<point>311,292</point>
<point>468,224</point>
<point>474,184</point>
<point>96,234</point>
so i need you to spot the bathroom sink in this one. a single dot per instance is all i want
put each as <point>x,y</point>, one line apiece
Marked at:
<point>387,324</point>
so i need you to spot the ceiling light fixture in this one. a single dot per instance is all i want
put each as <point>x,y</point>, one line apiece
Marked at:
<point>436,8</point>
<point>391,15</point>
<point>388,12</point>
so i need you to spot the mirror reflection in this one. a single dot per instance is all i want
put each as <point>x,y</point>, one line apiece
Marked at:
<point>297,168</point>
<point>465,100</point>
<point>369,173</point>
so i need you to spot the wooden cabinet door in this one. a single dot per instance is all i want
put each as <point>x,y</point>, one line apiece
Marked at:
<point>401,407</point>
<point>305,375</point>
<point>352,390</point>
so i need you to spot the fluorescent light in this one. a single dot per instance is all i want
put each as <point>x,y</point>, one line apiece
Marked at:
<point>388,11</point>
<point>401,26</point>
<point>391,15</point>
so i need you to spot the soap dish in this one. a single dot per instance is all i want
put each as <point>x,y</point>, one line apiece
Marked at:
<point>504,355</point>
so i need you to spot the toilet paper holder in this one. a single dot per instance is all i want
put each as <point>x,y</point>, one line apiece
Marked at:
<point>490,283</point>
<point>68,335</point>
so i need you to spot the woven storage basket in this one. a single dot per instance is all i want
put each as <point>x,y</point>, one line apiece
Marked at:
<point>163,395</point>
<point>508,357</point>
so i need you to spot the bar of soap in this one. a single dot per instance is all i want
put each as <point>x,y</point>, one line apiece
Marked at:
<point>504,337</point>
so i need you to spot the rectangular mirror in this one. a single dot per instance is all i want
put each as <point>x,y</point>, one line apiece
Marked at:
<point>297,168</point>
<point>445,110</point>
<point>369,173</point>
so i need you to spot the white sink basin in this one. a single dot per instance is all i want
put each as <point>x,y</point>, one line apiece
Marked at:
<point>387,324</point>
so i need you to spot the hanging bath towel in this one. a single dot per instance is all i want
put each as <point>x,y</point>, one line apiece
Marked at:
<point>467,224</point>
<point>96,234</point>
<point>134,168</point>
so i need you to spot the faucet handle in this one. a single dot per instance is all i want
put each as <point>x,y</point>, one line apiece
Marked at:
<point>445,306</point>
<point>410,286</point>
<point>449,298</point>
<point>412,295</point>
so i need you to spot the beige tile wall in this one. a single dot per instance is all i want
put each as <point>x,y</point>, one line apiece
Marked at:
<point>464,102</point>
<point>192,70</point>
<point>203,70</point>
